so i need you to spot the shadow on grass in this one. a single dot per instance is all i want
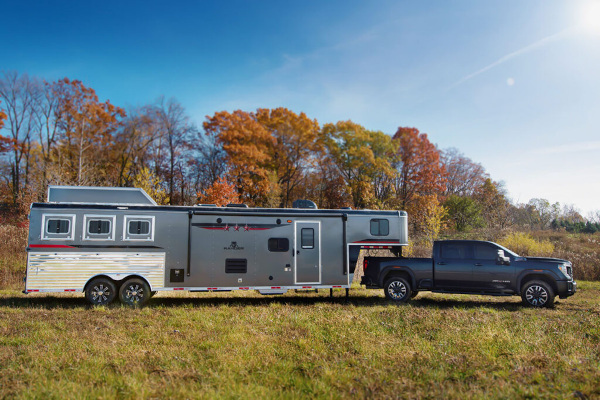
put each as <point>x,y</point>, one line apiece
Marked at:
<point>58,302</point>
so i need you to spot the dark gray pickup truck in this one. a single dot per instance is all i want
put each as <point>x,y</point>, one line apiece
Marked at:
<point>472,267</point>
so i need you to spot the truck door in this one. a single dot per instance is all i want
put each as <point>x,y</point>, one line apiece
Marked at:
<point>307,260</point>
<point>453,269</point>
<point>488,274</point>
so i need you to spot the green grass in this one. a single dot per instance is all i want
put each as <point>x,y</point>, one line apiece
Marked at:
<point>300,346</point>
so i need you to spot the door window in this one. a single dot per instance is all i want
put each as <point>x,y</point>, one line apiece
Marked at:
<point>307,237</point>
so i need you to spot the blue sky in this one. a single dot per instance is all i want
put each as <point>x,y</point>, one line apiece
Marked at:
<point>514,85</point>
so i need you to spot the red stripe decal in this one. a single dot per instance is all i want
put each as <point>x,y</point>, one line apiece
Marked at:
<point>306,287</point>
<point>337,286</point>
<point>33,290</point>
<point>377,241</point>
<point>178,288</point>
<point>69,290</point>
<point>212,288</point>
<point>258,229</point>
<point>50,246</point>
<point>275,287</point>
<point>244,288</point>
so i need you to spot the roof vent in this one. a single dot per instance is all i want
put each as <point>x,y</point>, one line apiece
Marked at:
<point>304,204</point>
<point>237,205</point>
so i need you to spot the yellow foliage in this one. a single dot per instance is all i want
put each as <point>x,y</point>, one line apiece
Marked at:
<point>525,245</point>
<point>147,180</point>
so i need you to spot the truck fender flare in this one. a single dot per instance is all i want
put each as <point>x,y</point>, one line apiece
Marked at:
<point>529,274</point>
<point>396,268</point>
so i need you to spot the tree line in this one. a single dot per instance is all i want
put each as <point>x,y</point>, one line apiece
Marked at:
<point>61,133</point>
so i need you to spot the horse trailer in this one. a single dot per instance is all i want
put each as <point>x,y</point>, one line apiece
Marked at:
<point>117,242</point>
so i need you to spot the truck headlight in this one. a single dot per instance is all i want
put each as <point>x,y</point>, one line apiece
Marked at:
<point>563,269</point>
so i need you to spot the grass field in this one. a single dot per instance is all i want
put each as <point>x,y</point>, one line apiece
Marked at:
<point>304,345</point>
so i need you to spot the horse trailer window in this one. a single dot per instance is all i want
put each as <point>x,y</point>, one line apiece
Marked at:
<point>279,244</point>
<point>138,227</point>
<point>58,227</point>
<point>380,227</point>
<point>99,227</point>
<point>307,236</point>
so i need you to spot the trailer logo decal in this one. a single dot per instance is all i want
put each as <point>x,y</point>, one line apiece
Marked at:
<point>238,227</point>
<point>233,246</point>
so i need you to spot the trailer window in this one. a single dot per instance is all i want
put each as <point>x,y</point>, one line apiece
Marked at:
<point>138,227</point>
<point>99,227</point>
<point>307,236</point>
<point>380,227</point>
<point>58,227</point>
<point>279,244</point>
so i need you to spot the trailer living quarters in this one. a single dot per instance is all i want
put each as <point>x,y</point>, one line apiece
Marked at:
<point>110,242</point>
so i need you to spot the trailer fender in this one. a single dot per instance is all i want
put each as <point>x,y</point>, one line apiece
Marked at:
<point>119,278</point>
<point>392,270</point>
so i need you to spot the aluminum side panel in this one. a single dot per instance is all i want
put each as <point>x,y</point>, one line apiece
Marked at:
<point>47,270</point>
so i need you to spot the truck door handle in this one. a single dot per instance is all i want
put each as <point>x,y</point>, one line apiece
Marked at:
<point>441,263</point>
<point>478,264</point>
<point>297,251</point>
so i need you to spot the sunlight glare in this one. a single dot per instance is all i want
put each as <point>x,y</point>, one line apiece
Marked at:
<point>590,16</point>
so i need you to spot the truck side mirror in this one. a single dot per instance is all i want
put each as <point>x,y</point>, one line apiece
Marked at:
<point>502,259</point>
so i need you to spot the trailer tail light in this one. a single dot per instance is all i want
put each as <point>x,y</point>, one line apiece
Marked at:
<point>365,264</point>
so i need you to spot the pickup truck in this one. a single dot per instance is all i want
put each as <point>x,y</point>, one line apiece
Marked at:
<point>472,267</point>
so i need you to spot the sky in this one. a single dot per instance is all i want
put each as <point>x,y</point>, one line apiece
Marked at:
<point>512,84</point>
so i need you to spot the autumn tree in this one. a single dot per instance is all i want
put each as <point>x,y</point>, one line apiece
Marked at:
<point>293,148</point>
<point>86,129</point>
<point>427,216</point>
<point>495,207</point>
<point>18,93</point>
<point>463,213</point>
<point>247,144</point>
<point>220,193</point>
<point>419,169</point>
<point>147,180</point>
<point>362,158</point>
<point>175,131</point>
<point>463,176</point>
<point>2,117</point>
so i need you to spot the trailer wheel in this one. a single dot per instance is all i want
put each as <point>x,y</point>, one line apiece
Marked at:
<point>134,292</point>
<point>397,289</point>
<point>537,294</point>
<point>100,291</point>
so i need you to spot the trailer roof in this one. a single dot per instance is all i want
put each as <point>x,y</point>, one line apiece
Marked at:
<point>199,210</point>
<point>98,195</point>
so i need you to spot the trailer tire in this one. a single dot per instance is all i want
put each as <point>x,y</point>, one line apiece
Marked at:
<point>537,294</point>
<point>135,292</point>
<point>100,291</point>
<point>397,289</point>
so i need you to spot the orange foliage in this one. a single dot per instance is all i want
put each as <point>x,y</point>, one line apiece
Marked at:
<point>2,118</point>
<point>220,193</point>
<point>420,169</point>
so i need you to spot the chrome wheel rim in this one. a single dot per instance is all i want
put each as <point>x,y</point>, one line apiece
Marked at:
<point>100,293</point>
<point>134,293</point>
<point>536,295</point>
<point>397,290</point>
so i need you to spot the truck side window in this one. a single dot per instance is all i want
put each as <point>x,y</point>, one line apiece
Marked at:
<point>453,251</point>
<point>307,236</point>
<point>380,227</point>
<point>279,244</point>
<point>482,251</point>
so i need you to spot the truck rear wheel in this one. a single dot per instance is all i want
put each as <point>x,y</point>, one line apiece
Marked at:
<point>397,289</point>
<point>537,294</point>
<point>100,291</point>
<point>134,292</point>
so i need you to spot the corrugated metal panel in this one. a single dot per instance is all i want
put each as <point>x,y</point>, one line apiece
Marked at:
<point>73,270</point>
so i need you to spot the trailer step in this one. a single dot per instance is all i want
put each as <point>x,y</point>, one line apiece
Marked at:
<point>272,291</point>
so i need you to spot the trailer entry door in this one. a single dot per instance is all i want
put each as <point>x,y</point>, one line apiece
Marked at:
<point>308,252</point>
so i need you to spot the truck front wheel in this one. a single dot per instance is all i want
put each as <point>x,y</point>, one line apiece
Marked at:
<point>537,294</point>
<point>397,289</point>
